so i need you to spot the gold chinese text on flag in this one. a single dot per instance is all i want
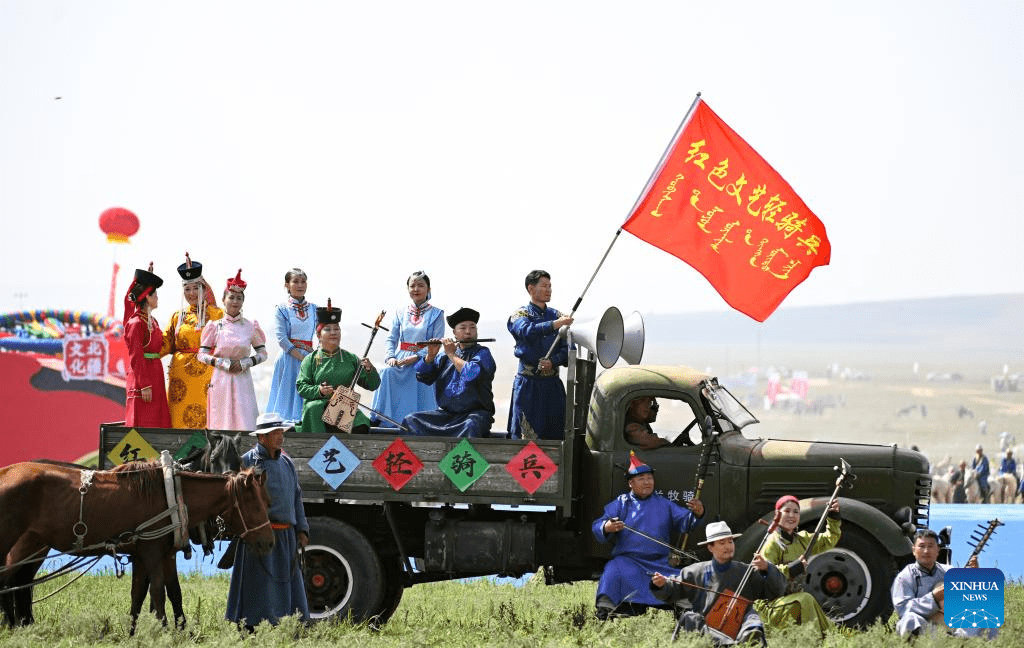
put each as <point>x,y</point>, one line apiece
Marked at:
<point>717,205</point>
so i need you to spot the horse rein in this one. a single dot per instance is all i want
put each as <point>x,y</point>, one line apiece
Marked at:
<point>238,509</point>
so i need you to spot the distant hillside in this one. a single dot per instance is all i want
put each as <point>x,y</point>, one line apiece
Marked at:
<point>989,321</point>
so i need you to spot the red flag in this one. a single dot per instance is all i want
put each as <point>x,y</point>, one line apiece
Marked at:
<point>717,205</point>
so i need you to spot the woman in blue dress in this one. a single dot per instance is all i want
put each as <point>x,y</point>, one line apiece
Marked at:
<point>296,325</point>
<point>400,394</point>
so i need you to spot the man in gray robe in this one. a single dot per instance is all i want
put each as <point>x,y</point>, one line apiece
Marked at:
<point>918,592</point>
<point>716,575</point>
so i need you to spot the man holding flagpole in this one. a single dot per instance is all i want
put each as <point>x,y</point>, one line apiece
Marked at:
<point>538,395</point>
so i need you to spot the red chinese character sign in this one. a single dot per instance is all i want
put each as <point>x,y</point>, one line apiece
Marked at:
<point>720,207</point>
<point>531,467</point>
<point>398,464</point>
<point>85,358</point>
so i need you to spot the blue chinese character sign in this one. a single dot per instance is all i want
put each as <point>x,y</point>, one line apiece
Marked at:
<point>334,462</point>
<point>464,465</point>
<point>974,598</point>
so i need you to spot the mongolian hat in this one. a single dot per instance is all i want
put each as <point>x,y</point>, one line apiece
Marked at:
<point>636,466</point>
<point>237,283</point>
<point>190,270</point>
<point>145,282</point>
<point>718,531</point>
<point>328,315</point>
<point>463,315</point>
<point>269,422</point>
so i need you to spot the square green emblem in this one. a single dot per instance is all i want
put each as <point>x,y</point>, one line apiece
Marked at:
<point>464,465</point>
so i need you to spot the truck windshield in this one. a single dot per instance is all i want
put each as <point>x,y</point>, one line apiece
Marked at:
<point>726,407</point>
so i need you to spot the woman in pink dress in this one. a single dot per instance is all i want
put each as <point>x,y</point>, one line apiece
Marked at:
<point>147,398</point>
<point>225,345</point>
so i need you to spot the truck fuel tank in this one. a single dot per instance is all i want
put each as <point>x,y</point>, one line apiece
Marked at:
<point>500,547</point>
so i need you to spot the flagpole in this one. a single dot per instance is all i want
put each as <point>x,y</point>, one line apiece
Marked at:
<point>647,187</point>
<point>668,149</point>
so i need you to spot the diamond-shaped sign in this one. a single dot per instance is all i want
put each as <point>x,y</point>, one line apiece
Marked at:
<point>531,467</point>
<point>464,465</point>
<point>398,464</point>
<point>132,448</point>
<point>197,440</point>
<point>334,462</point>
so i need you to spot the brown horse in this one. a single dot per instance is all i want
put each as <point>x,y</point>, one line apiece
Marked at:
<point>221,455</point>
<point>51,506</point>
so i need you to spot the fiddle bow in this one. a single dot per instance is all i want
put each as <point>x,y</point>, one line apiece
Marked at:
<point>341,409</point>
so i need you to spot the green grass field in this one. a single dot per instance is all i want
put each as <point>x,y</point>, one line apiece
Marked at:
<point>93,612</point>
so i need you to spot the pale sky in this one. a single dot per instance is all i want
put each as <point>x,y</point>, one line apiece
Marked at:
<point>479,140</point>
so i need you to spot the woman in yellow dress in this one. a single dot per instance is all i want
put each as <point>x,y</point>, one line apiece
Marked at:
<point>188,379</point>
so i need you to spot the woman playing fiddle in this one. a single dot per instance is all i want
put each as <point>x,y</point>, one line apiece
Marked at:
<point>330,367</point>
<point>786,547</point>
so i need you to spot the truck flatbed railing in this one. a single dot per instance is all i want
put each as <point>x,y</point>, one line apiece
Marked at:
<point>502,461</point>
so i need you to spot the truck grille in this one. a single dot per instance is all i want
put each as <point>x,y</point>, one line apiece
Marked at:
<point>922,502</point>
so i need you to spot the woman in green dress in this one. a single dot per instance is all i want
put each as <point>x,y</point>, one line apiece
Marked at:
<point>329,367</point>
<point>784,548</point>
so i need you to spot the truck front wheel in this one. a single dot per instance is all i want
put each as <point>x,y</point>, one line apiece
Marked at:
<point>343,573</point>
<point>852,580</point>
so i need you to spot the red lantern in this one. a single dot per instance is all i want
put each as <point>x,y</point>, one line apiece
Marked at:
<point>119,224</point>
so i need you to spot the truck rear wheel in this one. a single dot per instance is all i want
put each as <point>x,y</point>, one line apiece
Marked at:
<point>343,573</point>
<point>852,580</point>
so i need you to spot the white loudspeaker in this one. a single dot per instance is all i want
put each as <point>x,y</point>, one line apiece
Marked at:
<point>603,337</point>
<point>633,339</point>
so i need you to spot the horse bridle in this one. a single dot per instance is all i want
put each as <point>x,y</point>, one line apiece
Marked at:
<point>238,509</point>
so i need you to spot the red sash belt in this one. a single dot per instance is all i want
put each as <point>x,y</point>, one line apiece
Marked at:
<point>305,345</point>
<point>279,526</point>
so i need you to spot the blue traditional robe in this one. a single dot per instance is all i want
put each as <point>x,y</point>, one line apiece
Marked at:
<point>296,328</point>
<point>271,587</point>
<point>627,574</point>
<point>400,394</point>
<point>464,398</point>
<point>538,398</point>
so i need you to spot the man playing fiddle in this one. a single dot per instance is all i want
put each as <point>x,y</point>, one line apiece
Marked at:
<point>623,586</point>
<point>714,577</point>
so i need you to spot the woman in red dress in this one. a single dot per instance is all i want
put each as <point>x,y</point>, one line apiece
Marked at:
<point>147,396</point>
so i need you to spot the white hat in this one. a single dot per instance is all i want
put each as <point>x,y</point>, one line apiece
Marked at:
<point>269,422</point>
<point>718,531</point>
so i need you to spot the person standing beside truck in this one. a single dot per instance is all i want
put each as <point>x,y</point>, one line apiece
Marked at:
<point>538,395</point>
<point>266,588</point>
<point>623,588</point>
<point>462,378</point>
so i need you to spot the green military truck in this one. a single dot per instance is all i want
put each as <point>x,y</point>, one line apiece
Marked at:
<point>419,509</point>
